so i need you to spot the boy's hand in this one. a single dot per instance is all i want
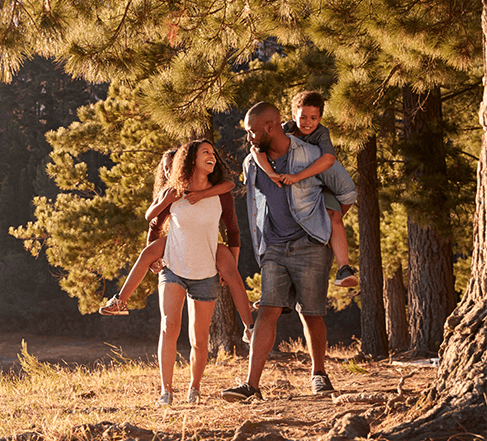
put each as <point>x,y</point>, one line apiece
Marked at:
<point>290,179</point>
<point>194,196</point>
<point>276,179</point>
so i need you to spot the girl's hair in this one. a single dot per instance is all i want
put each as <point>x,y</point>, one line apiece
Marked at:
<point>160,179</point>
<point>184,164</point>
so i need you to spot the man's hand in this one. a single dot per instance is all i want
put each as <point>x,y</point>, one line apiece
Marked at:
<point>290,179</point>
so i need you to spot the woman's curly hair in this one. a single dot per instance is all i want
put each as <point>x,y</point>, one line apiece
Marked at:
<point>184,164</point>
<point>160,179</point>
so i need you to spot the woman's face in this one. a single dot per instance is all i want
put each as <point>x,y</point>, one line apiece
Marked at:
<point>167,165</point>
<point>205,158</point>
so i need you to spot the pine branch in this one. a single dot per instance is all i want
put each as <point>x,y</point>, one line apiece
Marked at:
<point>462,91</point>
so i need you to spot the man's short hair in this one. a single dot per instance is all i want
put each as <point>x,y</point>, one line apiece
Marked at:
<point>307,98</point>
<point>262,107</point>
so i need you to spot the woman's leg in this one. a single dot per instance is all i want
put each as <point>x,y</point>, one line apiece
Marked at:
<point>171,302</point>
<point>148,255</point>
<point>199,328</point>
<point>227,267</point>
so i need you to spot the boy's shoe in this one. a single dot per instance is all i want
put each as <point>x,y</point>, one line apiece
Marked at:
<point>241,392</point>
<point>165,399</point>
<point>114,307</point>
<point>247,335</point>
<point>321,384</point>
<point>194,396</point>
<point>346,277</point>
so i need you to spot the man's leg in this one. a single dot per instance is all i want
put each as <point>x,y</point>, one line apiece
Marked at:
<point>315,333</point>
<point>262,343</point>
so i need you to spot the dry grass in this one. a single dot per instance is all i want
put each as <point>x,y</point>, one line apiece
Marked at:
<point>57,403</point>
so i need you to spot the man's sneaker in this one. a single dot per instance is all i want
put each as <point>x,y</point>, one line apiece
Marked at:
<point>321,385</point>
<point>114,306</point>
<point>165,399</point>
<point>247,335</point>
<point>194,396</point>
<point>346,277</point>
<point>241,392</point>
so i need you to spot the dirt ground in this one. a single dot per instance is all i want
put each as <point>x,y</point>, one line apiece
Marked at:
<point>288,411</point>
<point>69,350</point>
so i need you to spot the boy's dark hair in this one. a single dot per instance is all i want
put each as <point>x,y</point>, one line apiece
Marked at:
<point>307,98</point>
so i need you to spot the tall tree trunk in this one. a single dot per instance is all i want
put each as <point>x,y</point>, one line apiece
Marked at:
<point>373,329</point>
<point>225,333</point>
<point>395,306</point>
<point>431,294</point>
<point>456,402</point>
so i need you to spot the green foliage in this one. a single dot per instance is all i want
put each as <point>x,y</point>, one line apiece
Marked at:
<point>94,231</point>
<point>254,283</point>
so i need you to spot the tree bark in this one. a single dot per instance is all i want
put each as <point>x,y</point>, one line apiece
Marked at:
<point>457,401</point>
<point>431,293</point>
<point>373,330</point>
<point>395,306</point>
<point>225,333</point>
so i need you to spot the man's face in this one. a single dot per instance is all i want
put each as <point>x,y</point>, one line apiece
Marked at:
<point>256,133</point>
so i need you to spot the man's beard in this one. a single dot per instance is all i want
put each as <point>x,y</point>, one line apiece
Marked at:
<point>264,143</point>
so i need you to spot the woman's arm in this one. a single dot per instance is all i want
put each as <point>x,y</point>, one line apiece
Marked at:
<point>215,190</point>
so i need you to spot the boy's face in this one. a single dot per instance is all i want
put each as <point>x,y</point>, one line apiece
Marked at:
<point>307,119</point>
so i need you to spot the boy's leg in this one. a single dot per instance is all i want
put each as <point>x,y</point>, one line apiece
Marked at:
<point>338,242</point>
<point>149,254</point>
<point>226,265</point>
<point>338,239</point>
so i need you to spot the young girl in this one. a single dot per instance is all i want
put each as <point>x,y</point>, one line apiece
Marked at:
<point>151,256</point>
<point>307,110</point>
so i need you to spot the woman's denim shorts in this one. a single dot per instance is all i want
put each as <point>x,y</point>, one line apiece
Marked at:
<point>204,290</point>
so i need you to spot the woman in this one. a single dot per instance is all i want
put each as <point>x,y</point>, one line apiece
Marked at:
<point>190,260</point>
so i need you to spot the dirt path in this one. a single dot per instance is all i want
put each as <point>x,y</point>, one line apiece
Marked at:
<point>70,350</point>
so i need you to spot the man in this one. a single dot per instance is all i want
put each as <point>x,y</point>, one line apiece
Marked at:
<point>290,230</point>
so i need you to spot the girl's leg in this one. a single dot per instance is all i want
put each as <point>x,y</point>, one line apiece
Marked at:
<point>199,328</point>
<point>227,267</point>
<point>148,255</point>
<point>171,301</point>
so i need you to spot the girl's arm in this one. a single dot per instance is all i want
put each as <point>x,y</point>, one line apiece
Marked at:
<point>323,163</point>
<point>263,163</point>
<point>163,200</point>
<point>215,190</point>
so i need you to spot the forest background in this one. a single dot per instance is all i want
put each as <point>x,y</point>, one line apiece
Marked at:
<point>402,105</point>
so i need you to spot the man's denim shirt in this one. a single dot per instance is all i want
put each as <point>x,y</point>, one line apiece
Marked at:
<point>305,198</point>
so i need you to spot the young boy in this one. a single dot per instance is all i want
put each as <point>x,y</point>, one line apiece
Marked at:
<point>307,110</point>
